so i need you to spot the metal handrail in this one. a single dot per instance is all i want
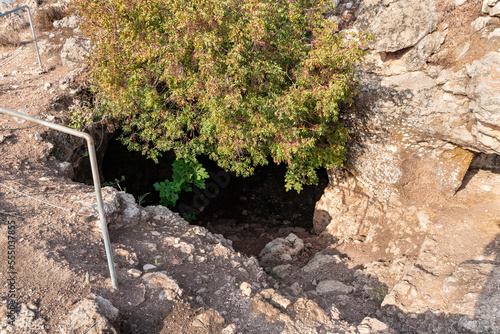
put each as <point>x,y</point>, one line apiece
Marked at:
<point>32,29</point>
<point>95,176</point>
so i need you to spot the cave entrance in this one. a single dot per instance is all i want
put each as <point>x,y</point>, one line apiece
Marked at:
<point>248,211</point>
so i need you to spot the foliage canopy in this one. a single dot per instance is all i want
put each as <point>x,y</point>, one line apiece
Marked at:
<point>237,80</point>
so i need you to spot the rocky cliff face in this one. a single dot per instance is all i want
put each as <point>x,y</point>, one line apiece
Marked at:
<point>420,179</point>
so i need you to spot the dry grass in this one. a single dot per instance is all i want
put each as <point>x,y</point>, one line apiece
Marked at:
<point>12,30</point>
<point>45,17</point>
<point>10,38</point>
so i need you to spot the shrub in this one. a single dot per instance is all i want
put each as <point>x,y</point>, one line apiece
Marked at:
<point>237,80</point>
<point>10,38</point>
<point>45,17</point>
<point>186,174</point>
<point>12,27</point>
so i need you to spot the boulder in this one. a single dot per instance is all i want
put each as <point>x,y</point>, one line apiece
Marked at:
<point>396,25</point>
<point>170,290</point>
<point>333,286</point>
<point>491,7</point>
<point>282,249</point>
<point>372,325</point>
<point>91,315</point>
<point>75,52</point>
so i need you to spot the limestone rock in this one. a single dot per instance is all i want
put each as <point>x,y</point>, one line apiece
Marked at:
<point>346,206</point>
<point>120,208</point>
<point>483,88</point>
<point>70,78</point>
<point>67,22</point>
<point>457,83</point>
<point>372,326</point>
<point>319,261</point>
<point>494,35</point>
<point>134,272</point>
<point>333,286</point>
<point>271,313</point>
<point>295,289</point>
<point>246,289</point>
<point>45,46</point>
<point>107,309</point>
<point>309,312</point>
<point>438,171</point>
<point>229,329</point>
<point>276,299</point>
<point>483,24</point>
<point>282,249</point>
<point>26,321</point>
<point>75,51</point>
<point>170,289</point>
<point>123,257</point>
<point>90,316</point>
<point>396,25</point>
<point>413,60</point>
<point>148,267</point>
<point>282,270</point>
<point>491,7</point>
<point>210,321</point>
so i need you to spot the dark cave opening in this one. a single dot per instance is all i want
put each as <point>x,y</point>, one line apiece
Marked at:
<point>249,211</point>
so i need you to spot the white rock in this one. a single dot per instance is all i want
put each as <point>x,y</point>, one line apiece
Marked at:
<point>295,289</point>
<point>283,249</point>
<point>135,272</point>
<point>107,309</point>
<point>494,35</point>
<point>229,329</point>
<point>170,289</point>
<point>67,22</point>
<point>319,261</point>
<point>246,289</point>
<point>332,286</point>
<point>396,25</point>
<point>481,23</point>
<point>149,267</point>
<point>372,325</point>
<point>491,7</point>
<point>75,52</point>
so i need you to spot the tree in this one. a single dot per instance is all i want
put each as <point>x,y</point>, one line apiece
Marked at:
<point>237,80</point>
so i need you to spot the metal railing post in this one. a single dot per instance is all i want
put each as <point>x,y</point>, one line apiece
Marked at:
<point>34,38</point>
<point>95,176</point>
<point>32,30</point>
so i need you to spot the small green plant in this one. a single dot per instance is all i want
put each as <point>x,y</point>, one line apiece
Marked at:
<point>140,199</point>
<point>191,217</point>
<point>380,293</point>
<point>115,184</point>
<point>156,264</point>
<point>186,174</point>
<point>275,276</point>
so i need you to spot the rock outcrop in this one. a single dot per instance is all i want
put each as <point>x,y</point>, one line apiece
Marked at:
<point>426,133</point>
